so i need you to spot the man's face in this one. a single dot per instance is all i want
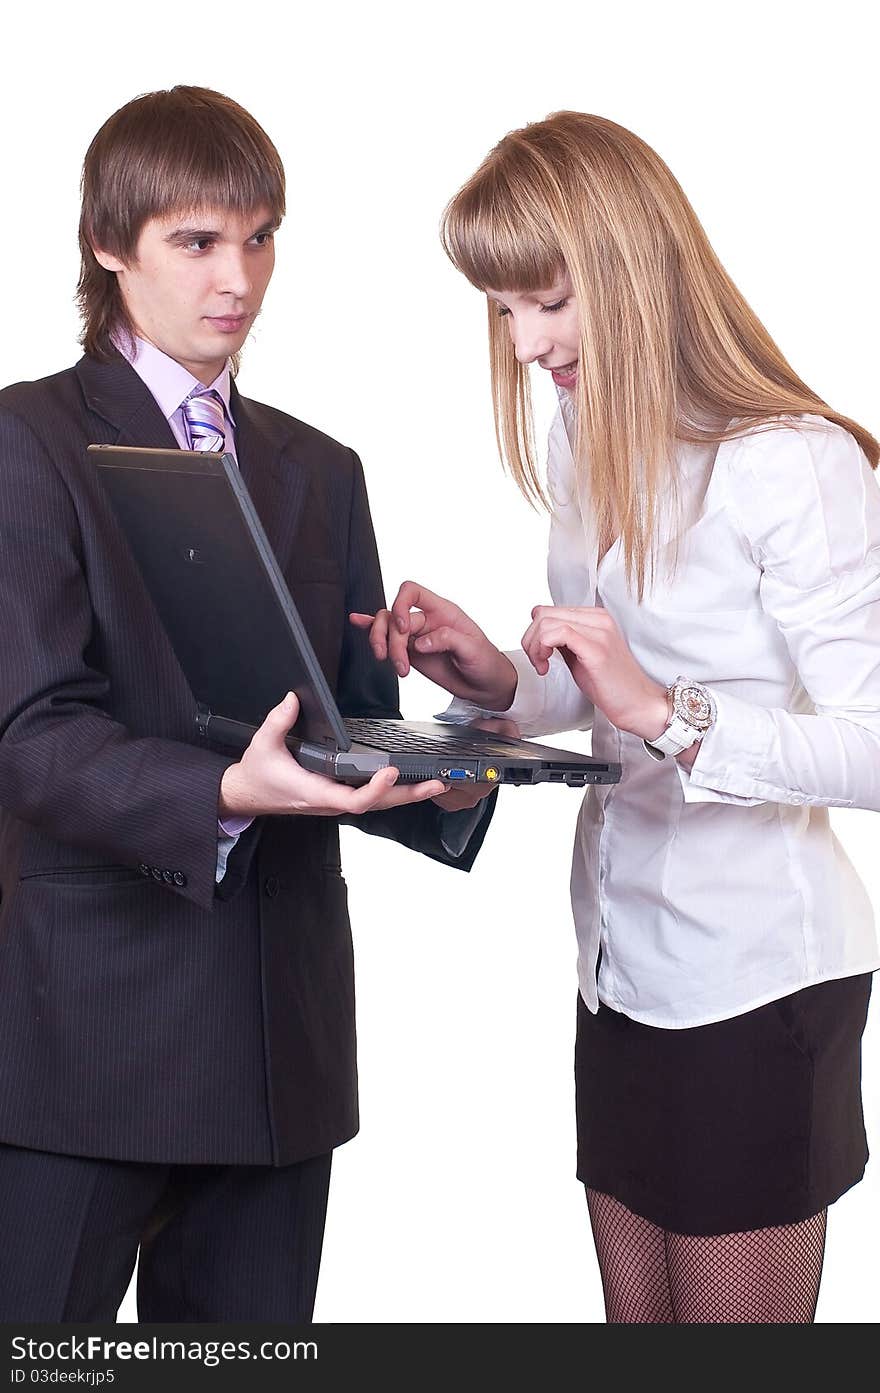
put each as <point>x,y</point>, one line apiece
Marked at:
<point>196,283</point>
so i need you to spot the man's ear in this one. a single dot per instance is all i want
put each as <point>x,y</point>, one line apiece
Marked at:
<point>108,260</point>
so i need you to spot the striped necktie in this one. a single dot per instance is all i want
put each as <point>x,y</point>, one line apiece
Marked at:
<point>206,419</point>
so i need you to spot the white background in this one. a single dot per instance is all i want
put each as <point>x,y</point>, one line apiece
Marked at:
<point>458,1202</point>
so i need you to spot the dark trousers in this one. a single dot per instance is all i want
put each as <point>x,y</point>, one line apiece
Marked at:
<point>217,1243</point>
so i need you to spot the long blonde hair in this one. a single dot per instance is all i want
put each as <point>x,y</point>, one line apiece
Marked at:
<point>669,349</point>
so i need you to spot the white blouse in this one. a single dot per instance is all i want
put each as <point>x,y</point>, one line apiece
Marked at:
<point>715,891</point>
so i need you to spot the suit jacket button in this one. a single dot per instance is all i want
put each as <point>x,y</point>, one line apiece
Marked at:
<point>144,868</point>
<point>179,878</point>
<point>168,877</point>
<point>272,886</point>
<point>155,873</point>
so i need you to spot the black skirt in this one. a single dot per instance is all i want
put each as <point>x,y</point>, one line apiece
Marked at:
<point>747,1123</point>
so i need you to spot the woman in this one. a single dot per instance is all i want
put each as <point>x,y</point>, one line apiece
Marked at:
<point>715,575</point>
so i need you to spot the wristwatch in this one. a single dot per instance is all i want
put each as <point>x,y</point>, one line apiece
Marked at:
<point>693,713</point>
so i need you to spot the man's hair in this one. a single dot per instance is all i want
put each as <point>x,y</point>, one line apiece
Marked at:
<point>164,153</point>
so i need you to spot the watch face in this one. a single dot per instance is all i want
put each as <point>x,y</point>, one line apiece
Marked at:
<point>694,704</point>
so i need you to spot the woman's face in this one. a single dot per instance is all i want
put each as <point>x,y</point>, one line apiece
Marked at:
<point>544,327</point>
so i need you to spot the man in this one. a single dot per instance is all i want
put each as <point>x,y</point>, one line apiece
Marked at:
<point>177,1052</point>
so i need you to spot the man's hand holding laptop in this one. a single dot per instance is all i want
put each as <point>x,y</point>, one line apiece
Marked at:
<point>267,780</point>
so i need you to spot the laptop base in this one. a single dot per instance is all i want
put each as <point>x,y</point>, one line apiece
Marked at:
<point>520,765</point>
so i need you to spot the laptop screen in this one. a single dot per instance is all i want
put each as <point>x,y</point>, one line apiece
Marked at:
<point>218,589</point>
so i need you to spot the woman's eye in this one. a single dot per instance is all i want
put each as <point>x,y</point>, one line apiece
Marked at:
<point>263,239</point>
<point>502,311</point>
<point>551,309</point>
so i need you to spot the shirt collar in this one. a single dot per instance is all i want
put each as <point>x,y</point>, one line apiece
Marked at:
<point>170,382</point>
<point>568,412</point>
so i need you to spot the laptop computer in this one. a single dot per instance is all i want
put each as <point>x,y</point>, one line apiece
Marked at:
<point>241,643</point>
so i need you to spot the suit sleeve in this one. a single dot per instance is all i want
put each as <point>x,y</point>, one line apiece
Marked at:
<point>369,688</point>
<point>66,766</point>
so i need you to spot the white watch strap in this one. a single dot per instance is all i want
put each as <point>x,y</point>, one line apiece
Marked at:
<point>677,736</point>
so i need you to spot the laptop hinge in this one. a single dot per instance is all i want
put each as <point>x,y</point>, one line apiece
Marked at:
<point>203,717</point>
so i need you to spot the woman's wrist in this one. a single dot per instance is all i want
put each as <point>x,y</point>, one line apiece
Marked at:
<point>652,716</point>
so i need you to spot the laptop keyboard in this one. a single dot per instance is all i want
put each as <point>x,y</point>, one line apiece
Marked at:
<point>387,735</point>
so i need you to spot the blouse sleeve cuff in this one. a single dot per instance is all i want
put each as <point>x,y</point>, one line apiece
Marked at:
<point>731,756</point>
<point>527,706</point>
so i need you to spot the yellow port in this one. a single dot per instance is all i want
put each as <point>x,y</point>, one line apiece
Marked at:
<point>492,774</point>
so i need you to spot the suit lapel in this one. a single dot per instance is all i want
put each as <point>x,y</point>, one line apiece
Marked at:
<point>276,480</point>
<point>114,392</point>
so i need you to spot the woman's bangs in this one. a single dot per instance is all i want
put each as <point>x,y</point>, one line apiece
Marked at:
<point>500,247</point>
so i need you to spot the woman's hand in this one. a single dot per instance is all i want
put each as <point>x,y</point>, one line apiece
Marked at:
<point>601,663</point>
<point>424,631</point>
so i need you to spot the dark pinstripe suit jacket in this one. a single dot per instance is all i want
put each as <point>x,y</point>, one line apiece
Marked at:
<point>166,1019</point>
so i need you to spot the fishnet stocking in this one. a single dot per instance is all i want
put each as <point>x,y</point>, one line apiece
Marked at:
<point>632,1261</point>
<point>653,1276</point>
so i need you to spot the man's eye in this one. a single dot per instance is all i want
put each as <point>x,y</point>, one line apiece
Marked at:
<point>199,244</point>
<point>551,309</point>
<point>263,239</point>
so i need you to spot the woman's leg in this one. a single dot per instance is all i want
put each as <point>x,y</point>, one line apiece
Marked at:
<point>651,1276</point>
<point>765,1276</point>
<point>632,1261</point>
